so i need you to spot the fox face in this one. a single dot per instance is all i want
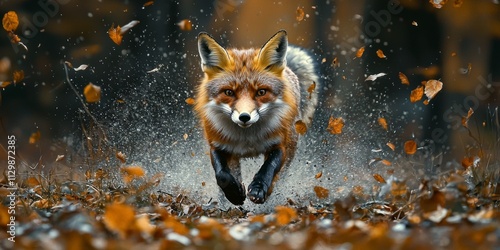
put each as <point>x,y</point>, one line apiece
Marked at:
<point>246,96</point>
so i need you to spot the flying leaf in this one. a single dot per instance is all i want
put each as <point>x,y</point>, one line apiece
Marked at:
<point>379,178</point>
<point>81,67</point>
<point>391,146</point>
<point>18,76</point>
<point>438,4</point>
<point>5,84</point>
<point>380,54</point>
<point>404,79</point>
<point>128,26</point>
<point>360,52</point>
<point>417,94</point>
<point>410,147</point>
<point>374,77</point>
<point>35,137</point>
<point>465,119</point>
<point>148,3</point>
<point>131,173</point>
<point>414,23</point>
<point>190,101</point>
<point>311,89</point>
<point>115,34</point>
<point>335,63</point>
<point>10,21</point>
<point>299,14</point>
<point>300,127</point>
<point>321,192</point>
<point>92,93</point>
<point>60,158</point>
<point>382,122</point>
<point>432,87</point>
<point>335,125</point>
<point>121,156</point>
<point>185,25</point>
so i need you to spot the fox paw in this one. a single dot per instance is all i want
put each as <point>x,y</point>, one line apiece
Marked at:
<point>233,190</point>
<point>257,192</point>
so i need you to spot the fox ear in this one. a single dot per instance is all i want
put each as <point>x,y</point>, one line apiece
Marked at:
<point>273,54</point>
<point>213,56</point>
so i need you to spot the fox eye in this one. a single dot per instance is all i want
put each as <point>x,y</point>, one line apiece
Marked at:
<point>229,92</point>
<point>261,92</point>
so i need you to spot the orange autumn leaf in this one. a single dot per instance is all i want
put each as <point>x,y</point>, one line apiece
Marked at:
<point>121,156</point>
<point>115,34</point>
<point>391,146</point>
<point>92,93</point>
<point>143,225</point>
<point>335,125</point>
<point>417,94</point>
<point>379,178</point>
<point>410,147</point>
<point>360,52</point>
<point>35,137</point>
<point>380,54</point>
<point>148,3</point>
<point>300,127</point>
<point>175,225</point>
<point>190,101</point>
<point>321,192</point>
<point>318,175</point>
<point>404,79</point>
<point>185,25</point>
<point>5,84</point>
<point>465,119</point>
<point>467,162</point>
<point>284,215</point>
<point>299,14</point>
<point>18,76</point>
<point>311,89</point>
<point>386,162</point>
<point>383,122</point>
<point>32,182</point>
<point>131,173</point>
<point>119,218</point>
<point>432,87</point>
<point>10,21</point>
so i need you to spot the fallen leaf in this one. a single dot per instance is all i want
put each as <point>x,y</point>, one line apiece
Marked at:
<point>417,94</point>
<point>185,25</point>
<point>115,34</point>
<point>300,127</point>
<point>404,79</point>
<point>410,147</point>
<point>432,87</point>
<point>382,122</point>
<point>92,93</point>
<point>175,225</point>
<point>119,218</point>
<point>299,14</point>
<point>17,76</point>
<point>335,125</point>
<point>32,182</point>
<point>380,54</point>
<point>374,77</point>
<point>143,225</point>
<point>10,21</point>
<point>35,137</point>
<point>360,52</point>
<point>321,192</point>
<point>284,215</point>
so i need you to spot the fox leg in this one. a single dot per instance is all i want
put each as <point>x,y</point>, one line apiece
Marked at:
<point>232,188</point>
<point>263,180</point>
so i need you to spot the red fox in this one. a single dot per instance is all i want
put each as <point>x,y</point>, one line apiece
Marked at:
<point>249,101</point>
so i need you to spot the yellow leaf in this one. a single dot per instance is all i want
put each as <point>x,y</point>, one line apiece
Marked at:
<point>131,173</point>
<point>285,215</point>
<point>35,137</point>
<point>119,218</point>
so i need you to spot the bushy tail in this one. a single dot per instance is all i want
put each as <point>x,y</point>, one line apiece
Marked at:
<point>303,65</point>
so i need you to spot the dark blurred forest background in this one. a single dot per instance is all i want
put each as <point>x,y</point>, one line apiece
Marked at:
<point>458,44</point>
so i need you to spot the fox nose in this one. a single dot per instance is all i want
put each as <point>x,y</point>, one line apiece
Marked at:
<point>244,117</point>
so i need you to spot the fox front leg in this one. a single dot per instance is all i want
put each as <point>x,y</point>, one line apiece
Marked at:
<point>233,190</point>
<point>262,182</point>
